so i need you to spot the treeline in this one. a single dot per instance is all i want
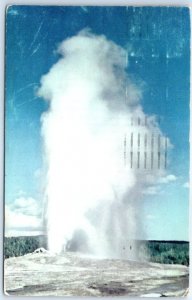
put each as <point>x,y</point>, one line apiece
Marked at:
<point>17,246</point>
<point>165,252</point>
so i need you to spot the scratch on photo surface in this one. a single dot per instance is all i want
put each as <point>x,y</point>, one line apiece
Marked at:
<point>36,49</point>
<point>36,35</point>
<point>26,101</point>
<point>25,87</point>
<point>84,8</point>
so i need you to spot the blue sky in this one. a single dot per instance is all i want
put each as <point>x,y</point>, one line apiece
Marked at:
<point>157,40</point>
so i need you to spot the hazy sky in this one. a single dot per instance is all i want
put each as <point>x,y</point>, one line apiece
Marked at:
<point>157,41</point>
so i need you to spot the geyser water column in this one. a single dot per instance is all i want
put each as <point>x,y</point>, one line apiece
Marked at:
<point>88,185</point>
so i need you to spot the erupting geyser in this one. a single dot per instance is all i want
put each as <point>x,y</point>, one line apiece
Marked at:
<point>90,186</point>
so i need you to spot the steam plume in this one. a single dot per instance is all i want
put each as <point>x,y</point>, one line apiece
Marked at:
<point>90,185</point>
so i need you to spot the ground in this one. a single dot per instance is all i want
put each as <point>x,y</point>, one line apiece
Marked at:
<point>72,274</point>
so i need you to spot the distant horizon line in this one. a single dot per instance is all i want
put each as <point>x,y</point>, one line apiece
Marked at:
<point>151,240</point>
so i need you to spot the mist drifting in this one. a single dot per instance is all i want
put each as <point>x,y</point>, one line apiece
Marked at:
<point>89,183</point>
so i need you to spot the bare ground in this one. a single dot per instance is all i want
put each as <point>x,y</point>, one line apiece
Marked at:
<point>71,274</point>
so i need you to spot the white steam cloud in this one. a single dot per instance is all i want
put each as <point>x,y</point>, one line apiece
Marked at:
<point>90,185</point>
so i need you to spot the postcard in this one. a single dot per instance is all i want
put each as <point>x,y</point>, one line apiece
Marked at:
<point>97,151</point>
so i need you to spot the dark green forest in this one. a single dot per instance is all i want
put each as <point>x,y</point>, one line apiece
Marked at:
<point>165,252</point>
<point>17,246</point>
